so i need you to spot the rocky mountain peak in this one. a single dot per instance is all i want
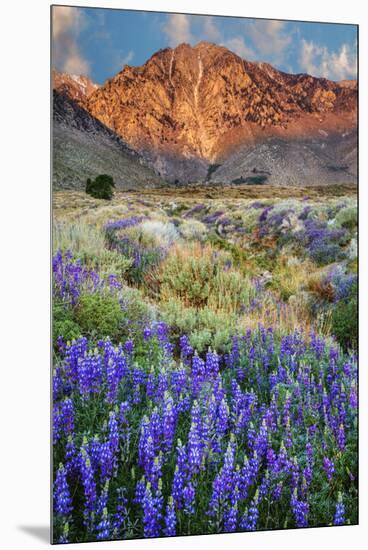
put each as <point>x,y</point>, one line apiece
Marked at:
<point>200,103</point>
<point>75,87</point>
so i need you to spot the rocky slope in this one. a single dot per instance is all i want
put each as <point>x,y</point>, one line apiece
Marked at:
<point>321,160</point>
<point>190,109</point>
<point>84,147</point>
<point>75,87</point>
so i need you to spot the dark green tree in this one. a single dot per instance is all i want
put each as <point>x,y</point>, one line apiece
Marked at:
<point>101,187</point>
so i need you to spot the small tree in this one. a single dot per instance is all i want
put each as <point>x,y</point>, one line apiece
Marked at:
<point>101,187</point>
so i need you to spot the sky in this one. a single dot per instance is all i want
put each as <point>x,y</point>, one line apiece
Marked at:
<point>98,42</point>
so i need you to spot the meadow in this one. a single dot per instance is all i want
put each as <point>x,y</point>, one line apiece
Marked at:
<point>205,361</point>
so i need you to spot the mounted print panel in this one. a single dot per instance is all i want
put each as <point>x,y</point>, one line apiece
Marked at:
<point>204,174</point>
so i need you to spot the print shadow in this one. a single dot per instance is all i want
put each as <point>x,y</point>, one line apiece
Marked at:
<point>40,532</point>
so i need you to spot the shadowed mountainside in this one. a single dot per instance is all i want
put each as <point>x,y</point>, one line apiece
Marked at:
<point>84,147</point>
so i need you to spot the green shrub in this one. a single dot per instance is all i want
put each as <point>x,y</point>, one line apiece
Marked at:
<point>345,323</point>
<point>108,262</point>
<point>136,313</point>
<point>64,324</point>
<point>203,276</point>
<point>101,187</point>
<point>347,217</point>
<point>162,233</point>
<point>204,327</point>
<point>99,315</point>
<point>118,316</point>
<point>193,230</point>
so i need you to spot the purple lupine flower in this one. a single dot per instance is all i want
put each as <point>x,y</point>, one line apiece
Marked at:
<point>222,487</point>
<point>70,277</point>
<point>178,487</point>
<point>271,459</point>
<point>103,528</point>
<point>121,513</point>
<point>261,442</point>
<point>353,398</point>
<point>300,510</point>
<point>123,223</point>
<point>89,372</point>
<point>113,432</point>
<point>277,491</point>
<point>89,484</point>
<point>116,367</point>
<point>170,519</point>
<point>198,373</point>
<point>339,518</point>
<point>113,282</point>
<point>149,455</point>
<point>295,470</point>
<point>103,498</point>
<point>140,490</point>
<point>138,379</point>
<point>129,347</point>
<point>265,485</point>
<point>151,512</point>
<point>282,463</point>
<point>155,473</point>
<point>186,349</point>
<point>189,498</point>
<point>230,519</point>
<point>328,467</point>
<point>194,448</point>
<point>250,518</point>
<point>71,457</point>
<point>67,413</point>
<point>169,421</point>
<point>212,365</point>
<point>123,413</point>
<point>151,384</point>
<point>222,423</point>
<point>341,437</point>
<point>57,423</point>
<point>147,334</point>
<point>143,448</point>
<point>62,498</point>
<point>194,439</point>
<point>106,461</point>
<point>57,383</point>
<point>94,452</point>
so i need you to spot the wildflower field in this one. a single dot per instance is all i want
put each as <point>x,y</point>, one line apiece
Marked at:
<point>205,362</point>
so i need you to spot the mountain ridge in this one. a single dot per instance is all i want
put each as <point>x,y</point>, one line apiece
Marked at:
<point>189,108</point>
<point>84,147</point>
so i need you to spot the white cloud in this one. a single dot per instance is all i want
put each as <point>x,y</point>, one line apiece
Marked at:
<point>210,31</point>
<point>122,59</point>
<point>128,57</point>
<point>238,46</point>
<point>67,23</point>
<point>270,38</point>
<point>177,29</point>
<point>318,60</point>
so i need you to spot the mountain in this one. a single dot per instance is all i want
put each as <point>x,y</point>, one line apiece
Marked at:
<point>75,87</point>
<point>204,113</point>
<point>84,147</point>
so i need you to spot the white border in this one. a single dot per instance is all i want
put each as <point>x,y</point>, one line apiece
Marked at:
<point>24,285</point>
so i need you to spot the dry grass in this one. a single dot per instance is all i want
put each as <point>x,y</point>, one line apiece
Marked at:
<point>187,276</point>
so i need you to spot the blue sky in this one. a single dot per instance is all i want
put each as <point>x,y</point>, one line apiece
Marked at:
<point>98,42</point>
